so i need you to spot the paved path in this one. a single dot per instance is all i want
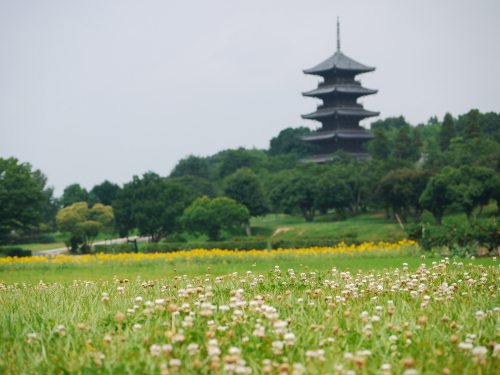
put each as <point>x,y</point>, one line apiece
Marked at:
<point>114,241</point>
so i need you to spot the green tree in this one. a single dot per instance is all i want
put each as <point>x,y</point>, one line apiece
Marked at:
<point>416,144</point>
<point>332,193</point>
<point>211,217</point>
<point>193,166</point>
<point>380,149</point>
<point>440,193</point>
<point>50,205</point>
<point>289,142</point>
<point>472,128</point>
<point>73,194</point>
<point>21,197</point>
<point>401,190</point>
<point>390,122</point>
<point>476,187</point>
<point>198,186</point>
<point>447,132</point>
<point>84,223</point>
<point>403,144</point>
<point>232,160</point>
<point>151,204</point>
<point>245,188</point>
<point>296,193</point>
<point>105,192</point>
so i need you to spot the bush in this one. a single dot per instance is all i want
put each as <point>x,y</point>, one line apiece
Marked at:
<point>11,251</point>
<point>309,242</point>
<point>114,249</point>
<point>163,247</point>
<point>460,239</point>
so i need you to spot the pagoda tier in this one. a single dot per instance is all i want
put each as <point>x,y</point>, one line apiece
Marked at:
<point>340,113</point>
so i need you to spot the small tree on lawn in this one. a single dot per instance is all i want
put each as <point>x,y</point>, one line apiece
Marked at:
<point>84,223</point>
<point>210,217</point>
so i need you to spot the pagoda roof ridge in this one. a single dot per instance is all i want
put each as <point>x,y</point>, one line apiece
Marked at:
<point>341,62</point>
<point>341,133</point>
<point>341,88</point>
<point>341,111</point>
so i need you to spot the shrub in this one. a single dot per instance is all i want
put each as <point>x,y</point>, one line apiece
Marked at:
<point>223,245</point>
<point>309,242</point>
<point>11,251</point>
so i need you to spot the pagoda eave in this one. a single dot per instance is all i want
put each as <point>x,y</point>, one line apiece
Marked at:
<point>344,89</point>
<point>323,158</point>
<point>348,112</point>
<point>320,136</point>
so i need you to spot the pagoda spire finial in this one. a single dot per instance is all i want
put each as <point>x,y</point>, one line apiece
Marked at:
<point>338,35</point>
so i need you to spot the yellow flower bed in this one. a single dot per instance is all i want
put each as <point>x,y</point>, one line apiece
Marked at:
<point>215,254</point>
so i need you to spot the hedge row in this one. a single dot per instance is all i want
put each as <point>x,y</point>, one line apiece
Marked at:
<point>309,242</point>
<point>12,251</point>
<point>114,249</point>
<point>163,247</point>
<point>460,238</point>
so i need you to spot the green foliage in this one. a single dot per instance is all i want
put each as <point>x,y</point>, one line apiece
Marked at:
<point>379,147</point>
<point>407,147</point>
<point>390,122</point>
<point>209,245</point>
<point>232,160</point>
<point>447,132</point>
<point>245,188</point>
<point>21,197</point>
<point>198,186</point>
<point>210,217</point>
<point>461,239</point>
<point>192,166</point>
<point>288,142</point>
<point>12,251</point>
<point>73,194</point>
<point>440,193</point>
<point>105,192</point>
<point>401,189</point>
<point>151,204</point>
<point>84,223</point>
<point>472,128</point>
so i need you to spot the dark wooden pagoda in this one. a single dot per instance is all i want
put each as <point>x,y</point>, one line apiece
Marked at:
<point>340,113</point>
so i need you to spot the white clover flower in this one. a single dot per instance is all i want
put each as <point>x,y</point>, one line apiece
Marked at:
<point>465,345</point>
<point>175,362</point>
<point>234,350</point>
<point>479,351</point>
<point>224,308</point>
<point>155,350</point>
<point>137,326</point>
<point>386,366</point>
<point>277,344</point>
<point>411,371</point>
<point>480,315</point>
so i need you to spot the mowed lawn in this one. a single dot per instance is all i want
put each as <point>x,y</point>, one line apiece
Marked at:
<point>165,270</point>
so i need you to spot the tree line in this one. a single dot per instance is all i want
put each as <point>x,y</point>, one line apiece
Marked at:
<point>452,164</point>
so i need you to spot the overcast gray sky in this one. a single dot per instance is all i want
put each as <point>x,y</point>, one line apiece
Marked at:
<point>95,90</point>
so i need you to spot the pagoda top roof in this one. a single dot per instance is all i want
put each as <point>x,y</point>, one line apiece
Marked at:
<point>342,88</point>
<point>322,158</point>
<point>340,111</point>
<point>341,62</point>
<point>346,134</point>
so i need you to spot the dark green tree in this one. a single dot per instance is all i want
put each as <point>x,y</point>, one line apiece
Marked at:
<point>403,143</point>
<point>288,142</point>
<point>245,188</point>
<point>416,144</point>
<point>296,193</point>
<point>152,205</point>
<point>232,160</point>
<point>390,122</point>
<point>198,186</point>
<point>440,193</point>
<point>193,166</point>
<point>472,128</point>
<point>380,149</point>
<point>21,197</point>
<point>211,217</point>
<point>73,194</point>
<point>50,205</point>
<point>333,193</point>
<point>447,133</point>
<point>105,192</point>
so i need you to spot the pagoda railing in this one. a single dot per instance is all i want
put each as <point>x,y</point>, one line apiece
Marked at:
<point>340,82</point>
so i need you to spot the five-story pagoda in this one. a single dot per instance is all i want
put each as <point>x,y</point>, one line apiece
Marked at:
<point>340,113</point>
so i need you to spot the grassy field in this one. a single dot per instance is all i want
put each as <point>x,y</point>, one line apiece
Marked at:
<point>351,316</point>
<point>166,270</point>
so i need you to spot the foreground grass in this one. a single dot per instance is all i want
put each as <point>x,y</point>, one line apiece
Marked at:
<point>439,318</point>
<point>166,270</point>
